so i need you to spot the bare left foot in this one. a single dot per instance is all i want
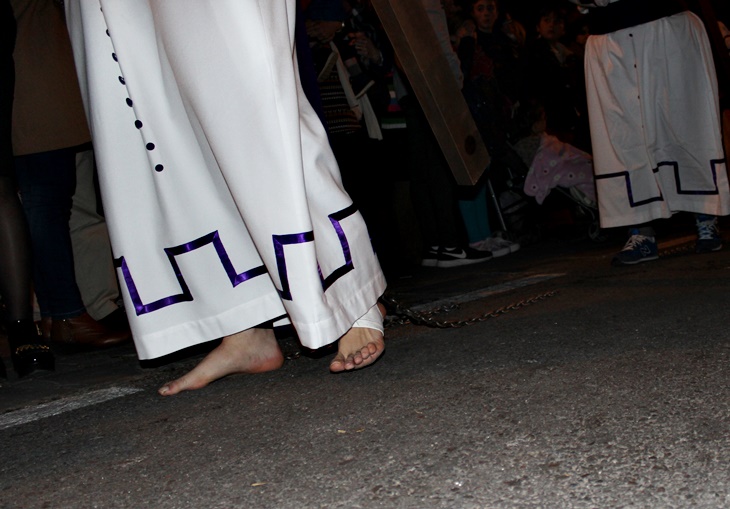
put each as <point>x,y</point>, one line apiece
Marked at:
<point>249,351</point>
<point>359,347</point>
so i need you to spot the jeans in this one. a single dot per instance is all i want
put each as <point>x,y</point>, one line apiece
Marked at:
<point>47,181</point>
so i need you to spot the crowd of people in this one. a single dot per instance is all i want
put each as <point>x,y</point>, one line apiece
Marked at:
<point>217,152</point>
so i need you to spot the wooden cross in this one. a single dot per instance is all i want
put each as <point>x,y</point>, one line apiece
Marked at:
<point>414,40</point>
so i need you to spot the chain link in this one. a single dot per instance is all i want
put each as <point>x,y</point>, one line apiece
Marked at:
<point>677,250</point>
<point>405,315</point>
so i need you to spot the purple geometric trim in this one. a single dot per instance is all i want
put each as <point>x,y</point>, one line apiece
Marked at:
<point>279,242</point>
<point>347,267</point>
<point>141,308</point>
<point>298,238</point>
<point>185,294</point>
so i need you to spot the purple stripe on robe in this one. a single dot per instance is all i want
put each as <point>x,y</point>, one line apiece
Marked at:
<point>298,238</point>
<point>348,266</point>
<point>185,295</point>
<point>279,242</point>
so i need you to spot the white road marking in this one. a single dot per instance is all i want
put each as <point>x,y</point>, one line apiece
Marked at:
<point>44,410</point>
<point>34,413</point>
<point>490,290</point>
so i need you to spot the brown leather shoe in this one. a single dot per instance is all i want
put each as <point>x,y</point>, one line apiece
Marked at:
<point>82,331</point>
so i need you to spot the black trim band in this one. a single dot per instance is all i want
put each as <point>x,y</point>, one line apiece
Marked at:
<point>626,14</point>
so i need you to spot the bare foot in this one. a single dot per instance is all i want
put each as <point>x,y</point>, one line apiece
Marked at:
<point>359,347</point>
<point>249,351</point>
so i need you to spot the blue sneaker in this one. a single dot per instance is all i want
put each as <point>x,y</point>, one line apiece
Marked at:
<point>639,248</point>
<point>708,234</point>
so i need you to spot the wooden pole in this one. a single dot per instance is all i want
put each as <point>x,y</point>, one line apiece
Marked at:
<point>410,32</point>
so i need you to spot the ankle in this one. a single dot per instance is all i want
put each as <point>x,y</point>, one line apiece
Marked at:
<point>644,231</point>
<point>22,332</point>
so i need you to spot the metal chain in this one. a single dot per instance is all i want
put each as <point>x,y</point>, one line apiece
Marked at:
<point>408,315</point>
<point>400,314</point>
<point>676,250</point>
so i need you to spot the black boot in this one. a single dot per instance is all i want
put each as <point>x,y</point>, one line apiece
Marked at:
<point>28,351</point>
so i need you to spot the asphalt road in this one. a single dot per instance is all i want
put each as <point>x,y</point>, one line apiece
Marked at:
<point>610,390</point>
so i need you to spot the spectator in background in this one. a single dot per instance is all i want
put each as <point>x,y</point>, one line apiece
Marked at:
<point>49,129</point>
<point>493,88</point>
<point>556,79</point>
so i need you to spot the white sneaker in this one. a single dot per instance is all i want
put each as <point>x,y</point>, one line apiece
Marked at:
<point>497,246</point>
<point>513,246</point>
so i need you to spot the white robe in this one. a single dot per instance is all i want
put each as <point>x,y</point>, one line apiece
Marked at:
<point>655,122</point>
<point>224,202</point>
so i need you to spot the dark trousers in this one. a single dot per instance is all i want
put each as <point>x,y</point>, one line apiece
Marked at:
<point>433,188</point>
<point>47,182</point>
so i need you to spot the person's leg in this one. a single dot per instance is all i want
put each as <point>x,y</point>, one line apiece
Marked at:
<point>93,263</point>
<point>433,193</point>
<point>473,208</point>
<point>28,353</point>
<point>320,256</point>
<point>433,189</point>
<point>47,182</point>
<point>15,255</point>
<point>26,349</point>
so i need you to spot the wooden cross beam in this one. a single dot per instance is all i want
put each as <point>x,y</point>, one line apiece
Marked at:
<point>410,32</point>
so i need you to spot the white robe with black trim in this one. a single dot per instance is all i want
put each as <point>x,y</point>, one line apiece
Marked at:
<point>655,122</point>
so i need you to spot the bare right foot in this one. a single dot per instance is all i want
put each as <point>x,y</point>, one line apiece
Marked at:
<point>360,346</point>
<point>250,351</point>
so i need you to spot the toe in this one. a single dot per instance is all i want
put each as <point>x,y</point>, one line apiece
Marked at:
<point>184,383</point>
<point>363,355</point>
<point>172,388</point>
<point>352,361</point>
<point>169,389</point>
<point>370,349</point>
<point>338,363</point>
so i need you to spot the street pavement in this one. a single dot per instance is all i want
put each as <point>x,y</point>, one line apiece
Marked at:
<point>565,383</point>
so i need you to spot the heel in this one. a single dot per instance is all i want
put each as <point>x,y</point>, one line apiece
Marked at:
<point>373,319</point>
<point>28,352</point>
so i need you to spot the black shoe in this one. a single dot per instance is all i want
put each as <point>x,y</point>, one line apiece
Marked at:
<point>3,373</point>
<point>431,257</point>
<point>447,257</point>
<point>28,351</point>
